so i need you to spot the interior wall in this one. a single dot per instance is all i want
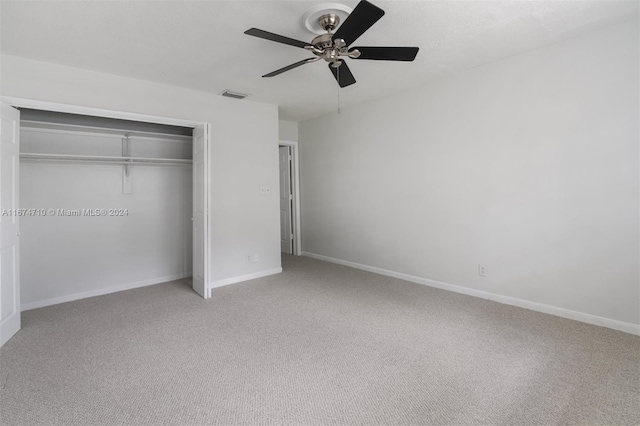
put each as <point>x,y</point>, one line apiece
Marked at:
<point>148,239</point>
<point>528,166</point>
<point>243,154</point>
<point>288,130</point>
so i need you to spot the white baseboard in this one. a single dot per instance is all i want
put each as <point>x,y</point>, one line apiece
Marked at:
<point>240,278</point>
<point>101,291</point>
<point>507,300</point>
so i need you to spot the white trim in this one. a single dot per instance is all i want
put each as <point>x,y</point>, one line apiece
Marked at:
<point>102,291</point>
<point>297,246</point>
<point>98,112</point>
<point>208,165</point>
<point>241,278</point>
<point>507,300</point>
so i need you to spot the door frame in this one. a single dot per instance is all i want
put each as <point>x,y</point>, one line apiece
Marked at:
<point>106,113</point>
<point>295,189</point>
<point>10,230</point>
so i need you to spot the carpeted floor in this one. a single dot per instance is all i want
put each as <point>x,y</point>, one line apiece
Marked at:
<point>317,344</point>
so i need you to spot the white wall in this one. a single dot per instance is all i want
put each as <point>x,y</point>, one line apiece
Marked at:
<point>528,166</point>
<point>244,154</point>
<point>288,130</point>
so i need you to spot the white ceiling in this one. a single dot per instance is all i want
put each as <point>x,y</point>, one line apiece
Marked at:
<point>201,45</point>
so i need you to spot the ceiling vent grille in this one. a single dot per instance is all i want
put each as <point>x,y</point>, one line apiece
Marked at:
<point>234,95</point>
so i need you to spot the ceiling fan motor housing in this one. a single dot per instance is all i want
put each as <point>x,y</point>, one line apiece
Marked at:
<point>323,41</point>
<point>325,47</point>
<point>330,50</point>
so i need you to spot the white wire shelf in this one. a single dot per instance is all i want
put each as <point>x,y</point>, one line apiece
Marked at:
<point>104,159</point>
<point>76,129</point>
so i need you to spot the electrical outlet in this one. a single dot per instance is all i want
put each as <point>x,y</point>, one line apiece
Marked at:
<point>251,257</point>
<point>265,190</point>
<point>482,270</point>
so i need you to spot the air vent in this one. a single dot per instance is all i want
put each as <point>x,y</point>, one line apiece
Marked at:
<point>234,95</point>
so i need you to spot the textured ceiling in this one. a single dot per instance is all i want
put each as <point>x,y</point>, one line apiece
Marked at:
<point>201,45</point>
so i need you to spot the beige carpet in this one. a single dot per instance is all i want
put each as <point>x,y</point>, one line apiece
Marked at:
<point>317,344</point>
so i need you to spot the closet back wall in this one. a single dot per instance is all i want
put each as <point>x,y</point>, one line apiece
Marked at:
<point>67,257</point>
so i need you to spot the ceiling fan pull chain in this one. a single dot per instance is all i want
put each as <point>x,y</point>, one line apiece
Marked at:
<point>338,75</point>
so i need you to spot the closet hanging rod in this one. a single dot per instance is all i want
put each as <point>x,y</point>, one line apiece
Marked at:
<point>104,159</point>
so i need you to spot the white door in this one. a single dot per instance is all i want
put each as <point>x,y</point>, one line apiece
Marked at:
<point>200,223</point>
<point>9,225</point>
<point>286,234</point>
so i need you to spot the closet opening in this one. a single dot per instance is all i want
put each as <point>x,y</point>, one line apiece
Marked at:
<point>113,204</point>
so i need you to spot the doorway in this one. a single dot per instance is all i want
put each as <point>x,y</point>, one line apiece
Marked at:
<point>289,198</point>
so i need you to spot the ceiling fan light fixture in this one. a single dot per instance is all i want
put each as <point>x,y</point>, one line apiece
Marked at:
<point>233,95</point>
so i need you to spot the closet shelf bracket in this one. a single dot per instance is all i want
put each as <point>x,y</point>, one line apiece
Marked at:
<point>126,170</point>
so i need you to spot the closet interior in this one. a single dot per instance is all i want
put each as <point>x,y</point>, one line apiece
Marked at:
<point>109,205</point>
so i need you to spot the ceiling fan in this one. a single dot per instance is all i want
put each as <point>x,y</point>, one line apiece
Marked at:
<point>333,46</point>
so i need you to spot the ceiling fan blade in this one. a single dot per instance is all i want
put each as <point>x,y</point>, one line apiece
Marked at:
<point>275,37</point>
<point>360,20</point>
<point>290,67</point>
<point>387,53</point>
<point>343,74</point>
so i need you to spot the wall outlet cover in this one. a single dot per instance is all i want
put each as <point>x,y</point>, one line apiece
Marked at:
<point>482,270</point>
